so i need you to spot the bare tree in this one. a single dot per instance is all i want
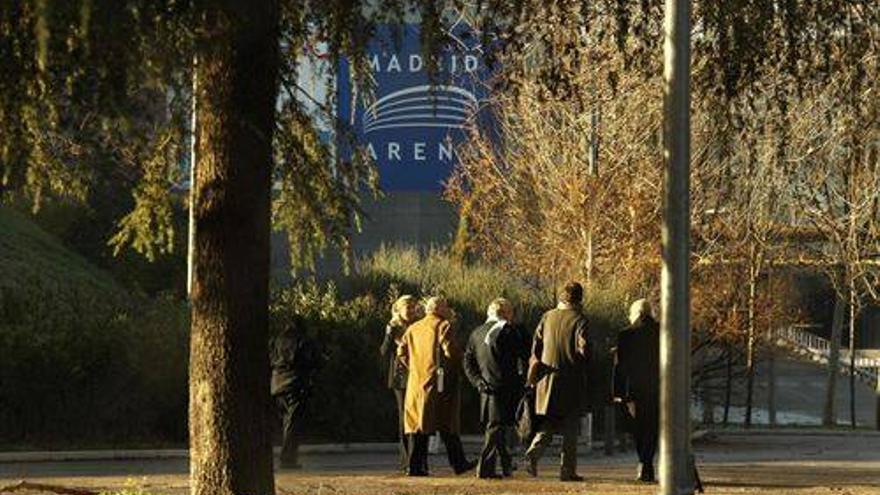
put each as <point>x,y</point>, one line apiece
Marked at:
<point>837,179</point>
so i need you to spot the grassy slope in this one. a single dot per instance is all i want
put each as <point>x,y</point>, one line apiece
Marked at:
<point>29,255</point>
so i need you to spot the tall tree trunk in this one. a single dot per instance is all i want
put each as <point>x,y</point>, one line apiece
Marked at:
<point>829,415</point>
<point>238,63</point>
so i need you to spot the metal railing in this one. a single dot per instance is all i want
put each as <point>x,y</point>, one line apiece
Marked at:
<point>819,348</point>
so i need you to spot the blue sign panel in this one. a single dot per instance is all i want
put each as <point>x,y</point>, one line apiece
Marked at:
<point>414,122</point>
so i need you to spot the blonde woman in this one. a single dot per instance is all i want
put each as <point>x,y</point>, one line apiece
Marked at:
<point>405,311</point>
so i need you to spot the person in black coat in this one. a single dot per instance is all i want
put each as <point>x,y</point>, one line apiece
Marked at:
<point>405,311</point>
<point>637,383</point>
<point>491,365</point>
<point>295,360</point>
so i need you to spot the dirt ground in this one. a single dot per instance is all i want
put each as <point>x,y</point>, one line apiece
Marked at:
<point>729,464</point>
<point>741,479</point>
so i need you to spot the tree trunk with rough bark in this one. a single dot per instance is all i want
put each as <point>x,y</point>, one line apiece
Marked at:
<point>230,427</point>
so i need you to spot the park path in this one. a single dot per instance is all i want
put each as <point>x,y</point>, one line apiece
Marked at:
<point>803,463</point>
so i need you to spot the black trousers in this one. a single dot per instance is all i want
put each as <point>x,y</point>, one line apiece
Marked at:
<point>402,443</point>
<point>291,408</point>
<point>647,423</point>
<point>566,426</point>
<point>494,449</point>
<point>418,452</point>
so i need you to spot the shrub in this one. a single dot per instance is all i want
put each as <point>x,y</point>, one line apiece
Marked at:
<point>84,361</point>
<point>88,363</point>
<point>350,401</point>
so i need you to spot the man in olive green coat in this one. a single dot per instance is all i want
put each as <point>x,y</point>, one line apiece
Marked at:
<point>559,353</point>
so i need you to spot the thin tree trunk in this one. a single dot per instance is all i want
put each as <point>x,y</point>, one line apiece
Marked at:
<point>230,447</point>
<point>771,386</point>
<point>708,406</point>
<point>877,402</point>
<point>829,415</point>
<point>852,354</point>
<point>750,338</point>
<point>771,362</point>
<point>728,386</point>
<point>191,230</point>
<point>589,264</point>
<point>610,427</point>
<point>594,172</point>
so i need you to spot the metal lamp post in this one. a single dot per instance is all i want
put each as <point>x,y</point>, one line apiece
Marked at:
<point>676,470</point>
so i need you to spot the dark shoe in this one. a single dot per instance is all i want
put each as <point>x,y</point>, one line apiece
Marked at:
<point>646,473</point>
<point>489,476</point>
<point>467,466</point>
<point>417,473</point>
<point>571,477</point>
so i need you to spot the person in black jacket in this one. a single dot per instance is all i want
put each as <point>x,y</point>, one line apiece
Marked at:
<point>491,364</point>
<point>405,311</point>
<point>637,382</point>
<point>295,360</point>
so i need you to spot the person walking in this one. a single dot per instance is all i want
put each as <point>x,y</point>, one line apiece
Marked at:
<point>490,363</point>
<point>559,358</point>
<point>637,383</point>
<point>295,360</point>
<point>432,401</point>
<point>404,312</point>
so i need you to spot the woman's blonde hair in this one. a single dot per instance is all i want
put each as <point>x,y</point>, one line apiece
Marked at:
<point>398,306</point>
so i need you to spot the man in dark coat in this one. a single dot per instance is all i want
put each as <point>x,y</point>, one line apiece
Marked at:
<point>637,382</point>
<point>490,363</point>
<point>559,354</point>
<point>295,359</point>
